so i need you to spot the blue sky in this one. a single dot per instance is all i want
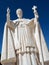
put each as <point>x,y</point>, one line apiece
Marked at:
<point>26,6</point>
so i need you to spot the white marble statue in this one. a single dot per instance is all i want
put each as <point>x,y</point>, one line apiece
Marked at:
<point>23,41</point>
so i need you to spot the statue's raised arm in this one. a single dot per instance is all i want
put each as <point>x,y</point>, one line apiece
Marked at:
<point>10,24</point>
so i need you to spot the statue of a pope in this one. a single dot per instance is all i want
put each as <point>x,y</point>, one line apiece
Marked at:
<point>23,41</point>
<point>20,42</point>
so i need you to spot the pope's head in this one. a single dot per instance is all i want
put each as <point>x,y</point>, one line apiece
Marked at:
<point>19,13</point>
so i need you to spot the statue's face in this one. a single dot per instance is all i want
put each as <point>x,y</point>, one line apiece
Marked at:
<point>19,13</point>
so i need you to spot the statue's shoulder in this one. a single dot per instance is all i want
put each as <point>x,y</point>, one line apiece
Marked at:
<point>30,21</point>
<point>14,21</point>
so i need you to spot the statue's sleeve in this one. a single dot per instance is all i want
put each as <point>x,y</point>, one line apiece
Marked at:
<point>8,51</point>
<point>11,25</point>
<point>30,23</point>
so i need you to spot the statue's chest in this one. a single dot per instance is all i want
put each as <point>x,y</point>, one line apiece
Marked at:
<point>22,25</point>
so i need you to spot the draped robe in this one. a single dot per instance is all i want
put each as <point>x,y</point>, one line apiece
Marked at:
<point>25,42</point>
<point>19,46</point>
